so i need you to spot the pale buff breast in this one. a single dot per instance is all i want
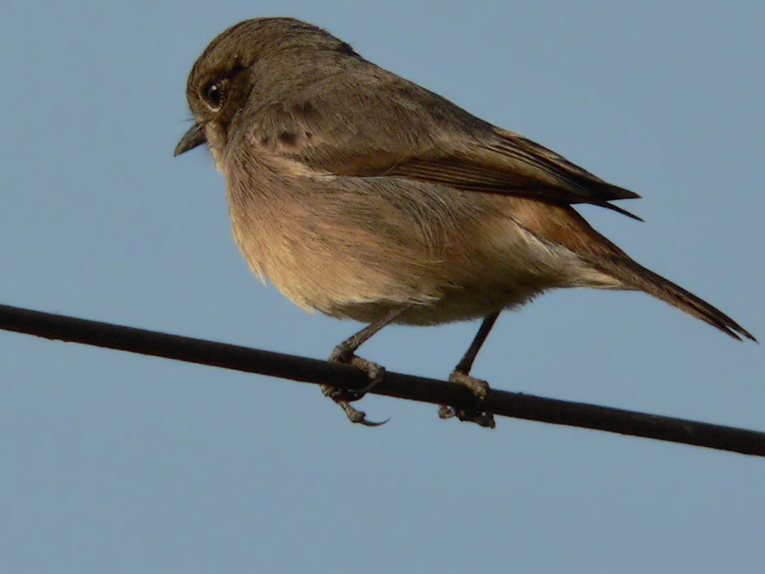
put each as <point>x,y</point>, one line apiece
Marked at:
<point>358,252</point>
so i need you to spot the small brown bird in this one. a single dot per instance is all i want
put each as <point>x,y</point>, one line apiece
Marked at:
<point>365,196</point>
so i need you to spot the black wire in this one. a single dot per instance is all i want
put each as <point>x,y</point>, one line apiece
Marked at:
<point>502,403</point>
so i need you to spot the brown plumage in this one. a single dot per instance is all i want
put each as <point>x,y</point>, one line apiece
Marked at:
<point>362,195</point>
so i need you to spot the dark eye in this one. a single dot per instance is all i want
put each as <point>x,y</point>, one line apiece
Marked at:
<point>213,94</point>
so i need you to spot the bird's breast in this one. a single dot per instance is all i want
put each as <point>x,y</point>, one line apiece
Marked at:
<point>352,248</point>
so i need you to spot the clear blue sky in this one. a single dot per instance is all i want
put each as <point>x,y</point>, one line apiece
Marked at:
<point>120,463</point>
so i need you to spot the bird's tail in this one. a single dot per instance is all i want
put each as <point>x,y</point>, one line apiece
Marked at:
<point>565,226</point>
<point>638,277</point>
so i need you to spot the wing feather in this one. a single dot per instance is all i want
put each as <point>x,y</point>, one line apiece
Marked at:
<point>402,130</point>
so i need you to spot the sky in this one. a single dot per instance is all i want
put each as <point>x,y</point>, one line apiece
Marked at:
<point>113,462</point>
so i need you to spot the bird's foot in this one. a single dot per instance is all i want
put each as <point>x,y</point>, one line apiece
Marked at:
<point>344,397</point>
<point>476,414</point>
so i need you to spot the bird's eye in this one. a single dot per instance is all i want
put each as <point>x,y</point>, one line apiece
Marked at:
<point>213,94</point>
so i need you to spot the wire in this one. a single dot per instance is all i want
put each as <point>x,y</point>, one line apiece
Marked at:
<point>302,369</point>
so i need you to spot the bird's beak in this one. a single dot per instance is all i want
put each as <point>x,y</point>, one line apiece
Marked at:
<point>194,137</point>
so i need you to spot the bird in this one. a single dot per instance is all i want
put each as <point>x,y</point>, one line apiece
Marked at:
<point>364,196</point>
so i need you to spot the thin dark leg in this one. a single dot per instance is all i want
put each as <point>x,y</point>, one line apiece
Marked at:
<point>345,350</point>
<point>345,353</point>
<point>461,375</point>
<point>466,363</point>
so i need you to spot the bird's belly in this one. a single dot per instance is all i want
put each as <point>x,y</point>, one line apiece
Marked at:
<point>358,253</point>
<point>453,306</point>
<point>344,281</point>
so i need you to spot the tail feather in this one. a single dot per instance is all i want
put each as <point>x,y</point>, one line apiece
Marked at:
<point>563,225</point>
<point>645,280</point>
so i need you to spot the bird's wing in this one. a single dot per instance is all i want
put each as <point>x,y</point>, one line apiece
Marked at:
<point>424,137</point>
<point>509,163</point>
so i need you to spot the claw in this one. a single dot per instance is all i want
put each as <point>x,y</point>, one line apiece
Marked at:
<point>485,420</point>
<point>476,414</point>
<point>478,387</point>
<point>345,396</point>
<point>358,417</point>
<point>341,395</point>
<point>367,423</point>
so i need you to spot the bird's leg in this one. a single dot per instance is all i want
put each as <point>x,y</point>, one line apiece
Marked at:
<point>461,375</point>
<point>345,353</point>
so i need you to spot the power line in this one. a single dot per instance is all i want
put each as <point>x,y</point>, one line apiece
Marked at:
<point>398,385</point>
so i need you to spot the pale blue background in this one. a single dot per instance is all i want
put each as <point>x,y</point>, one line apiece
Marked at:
<point>117,463</point>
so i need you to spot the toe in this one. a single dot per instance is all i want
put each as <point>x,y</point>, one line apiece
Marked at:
<point>479,388</point>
